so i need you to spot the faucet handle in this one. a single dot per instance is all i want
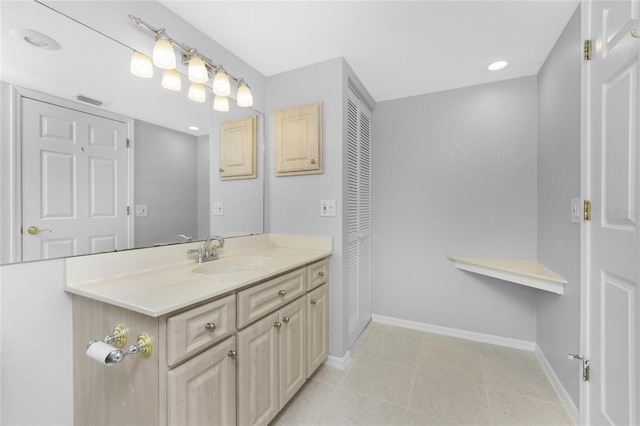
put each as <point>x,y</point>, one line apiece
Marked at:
<point>220,240</point>
<point>199,256</point>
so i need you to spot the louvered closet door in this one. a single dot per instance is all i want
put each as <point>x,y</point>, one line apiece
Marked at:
<point>358,217</point>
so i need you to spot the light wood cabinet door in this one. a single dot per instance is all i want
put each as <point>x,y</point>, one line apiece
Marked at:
<point>292,350</point>
<point>299,140</point>
<point>203,390</point>
<point>238,148</point>
<point>317,327</point>
<point>258,371</point>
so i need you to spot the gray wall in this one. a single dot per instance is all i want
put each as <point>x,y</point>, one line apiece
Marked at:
<point>166,180</point>
<point>455,174</point>
<point>293,202</point>
<point>558,182</point>
<point>204,188</point>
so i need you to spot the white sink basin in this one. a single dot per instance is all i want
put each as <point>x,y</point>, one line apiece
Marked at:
<point>233,265</point>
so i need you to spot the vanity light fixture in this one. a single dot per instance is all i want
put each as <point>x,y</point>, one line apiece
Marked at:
<point>163,55</point>
<point>197,92</point>
<point>199,70</point>
<point>221,85</point>
<point>141,65</point>
<point>172,80</point>
<point>221,103</point>
<point>498,65</point>
<point>245,99</point>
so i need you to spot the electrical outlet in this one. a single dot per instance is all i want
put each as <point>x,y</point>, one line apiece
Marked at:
<point>218,208</point>
<point>327,207</point>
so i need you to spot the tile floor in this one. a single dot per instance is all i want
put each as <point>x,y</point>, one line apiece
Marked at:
<point>400,376</point>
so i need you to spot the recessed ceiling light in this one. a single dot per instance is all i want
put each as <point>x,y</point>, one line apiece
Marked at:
<point>194,128</point>
<point>498,65</point>
<point>35,38</point>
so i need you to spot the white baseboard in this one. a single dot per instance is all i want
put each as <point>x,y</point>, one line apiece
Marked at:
<point>557,385</point>
<point>456,332</point>
<point>339,363</point>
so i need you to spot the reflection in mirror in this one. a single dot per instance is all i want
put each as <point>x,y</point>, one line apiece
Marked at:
<point>65,169</point>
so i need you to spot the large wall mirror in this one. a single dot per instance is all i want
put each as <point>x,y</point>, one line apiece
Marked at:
<point>56,200</point>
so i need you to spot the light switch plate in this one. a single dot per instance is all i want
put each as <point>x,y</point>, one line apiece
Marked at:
<point>218,208</point>
<point>141,209</point>
<point>327,207</point>
<point>576,210</point>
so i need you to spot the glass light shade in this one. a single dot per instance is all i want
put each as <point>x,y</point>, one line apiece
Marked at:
<point>172,80</point>
<point>197,92</point>
<point>163,55</point>
<point>221,85</point>
<point>221,103</point>
<point>245,98</point>
<point>197,70</point>
<point>141,65</point>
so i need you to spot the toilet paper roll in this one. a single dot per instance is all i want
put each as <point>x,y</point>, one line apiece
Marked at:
<point>100,352</point>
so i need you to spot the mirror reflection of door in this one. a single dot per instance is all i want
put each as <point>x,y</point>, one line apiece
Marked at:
<point>75,182</point>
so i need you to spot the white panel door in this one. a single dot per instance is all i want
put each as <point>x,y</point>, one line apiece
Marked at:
<point>75,182</point>
<point>612,342</point>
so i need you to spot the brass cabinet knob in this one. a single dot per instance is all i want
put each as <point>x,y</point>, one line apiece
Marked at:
<point>277,325</point>
<point>313,161</point>
<point>282,293</point>
<point>321,273</point>
<point>34,230</point>
<point>232,354</point>
<point>210,327</point>
<point>314,301</point>
<point>285,320</point>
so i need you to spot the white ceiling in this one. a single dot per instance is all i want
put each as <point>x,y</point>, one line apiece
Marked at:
<point>397,48</point>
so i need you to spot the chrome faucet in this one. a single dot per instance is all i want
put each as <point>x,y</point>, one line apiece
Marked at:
<point>209,251</point>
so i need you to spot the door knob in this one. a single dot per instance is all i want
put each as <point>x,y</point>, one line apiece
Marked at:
<point>34,230</point>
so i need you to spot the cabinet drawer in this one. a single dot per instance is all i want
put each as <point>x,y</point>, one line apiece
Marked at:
<point>199,328</point>
<point>317,274</point>
<point>257,301</point>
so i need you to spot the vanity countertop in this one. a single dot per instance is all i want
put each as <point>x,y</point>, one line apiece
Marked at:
<point>145,281</point>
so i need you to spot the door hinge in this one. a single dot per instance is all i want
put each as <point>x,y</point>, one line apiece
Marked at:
<point>128,210</point>
<point>128,143</point>
<point>586,367</point>
<point>587,210</point>
<point>587,50</point>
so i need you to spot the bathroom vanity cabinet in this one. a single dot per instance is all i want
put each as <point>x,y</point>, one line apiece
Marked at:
<point>236,358</point>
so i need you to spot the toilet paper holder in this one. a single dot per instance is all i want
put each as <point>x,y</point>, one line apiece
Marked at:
<point>143,345</point>
<point>117,338</point>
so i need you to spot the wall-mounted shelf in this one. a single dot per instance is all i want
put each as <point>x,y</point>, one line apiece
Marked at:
<point>525,272</point>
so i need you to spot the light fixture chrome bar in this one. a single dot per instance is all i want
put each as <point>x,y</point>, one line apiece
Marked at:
<point>187,51</point>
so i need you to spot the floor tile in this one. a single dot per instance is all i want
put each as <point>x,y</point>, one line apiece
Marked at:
<point>400,333</point>
<point>394,350</point>
<point>415,418</point>
<point>448,342</point>
<point>380,379</point>
<point>330,375</point>
<point>462,365</point>
<point>306,405</point>
<point>509,409</point>
<point>351,408</point>
<point>453,401</point>
<point>521,379</point>
<point>508,354</point>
